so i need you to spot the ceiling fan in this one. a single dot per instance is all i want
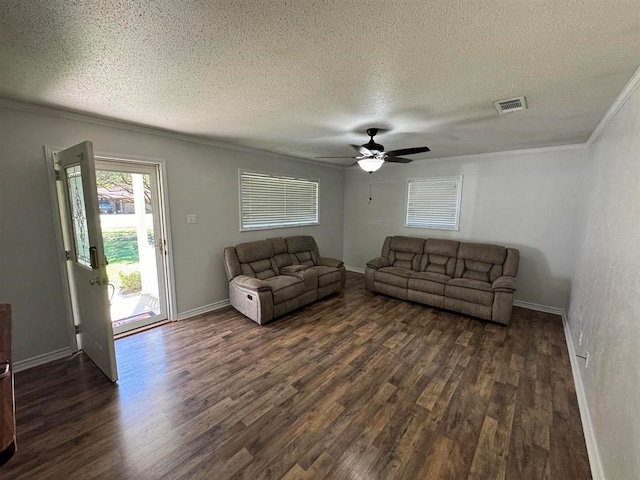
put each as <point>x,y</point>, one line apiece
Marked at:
<point>372,154</point>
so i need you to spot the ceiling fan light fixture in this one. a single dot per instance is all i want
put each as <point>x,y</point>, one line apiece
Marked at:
<point>370,164</point>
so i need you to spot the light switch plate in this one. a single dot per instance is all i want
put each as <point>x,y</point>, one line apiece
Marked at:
<point>192,218</point>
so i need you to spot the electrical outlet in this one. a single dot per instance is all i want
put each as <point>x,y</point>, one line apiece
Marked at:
<point>586,361</point>
<point>192,218</point>
<point>580,338</point>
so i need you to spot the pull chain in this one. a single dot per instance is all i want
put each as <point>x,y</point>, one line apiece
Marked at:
<point>370,181</point>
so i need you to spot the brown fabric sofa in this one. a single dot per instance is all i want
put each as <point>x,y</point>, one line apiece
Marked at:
<point>268,278</point>
<point>476,279</point>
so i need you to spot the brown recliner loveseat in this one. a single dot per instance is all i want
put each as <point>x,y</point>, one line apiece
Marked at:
<point>476,279</point>
<point>268,278</point>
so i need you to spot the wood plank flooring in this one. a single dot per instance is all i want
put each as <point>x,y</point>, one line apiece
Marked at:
<point>356,386</point>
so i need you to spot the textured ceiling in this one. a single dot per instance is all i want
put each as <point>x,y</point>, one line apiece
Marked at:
<point>306,78</point>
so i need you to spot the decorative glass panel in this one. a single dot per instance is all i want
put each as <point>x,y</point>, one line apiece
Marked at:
<point>78,216</point>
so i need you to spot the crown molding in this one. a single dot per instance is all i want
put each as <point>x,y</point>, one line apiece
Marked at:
<point>627,91</point>
<point>134,127</point>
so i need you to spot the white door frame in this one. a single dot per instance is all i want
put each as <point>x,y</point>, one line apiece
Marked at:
<point>159,163</point>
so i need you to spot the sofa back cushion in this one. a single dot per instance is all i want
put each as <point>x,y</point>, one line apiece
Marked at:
<point>280,255</point>
<point>302,249</point>
<point>405,252</point>
<point>511,263</point>
<point>480,261</point>
<point>256,259</point>
<point>439,256</point>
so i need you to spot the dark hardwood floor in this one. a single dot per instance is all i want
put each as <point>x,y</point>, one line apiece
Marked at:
<point>356,386</point>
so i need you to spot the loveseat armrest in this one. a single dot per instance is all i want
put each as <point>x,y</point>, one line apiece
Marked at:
<point>250,283</point>
<point>292,269</point>
<point>504,283</point>
<point>378,262</point>
<point>329,262</point>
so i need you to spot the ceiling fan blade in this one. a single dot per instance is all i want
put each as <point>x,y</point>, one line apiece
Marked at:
<point>407,151</point>
<point>335,157</point>
<point>363,150</point>
<point>398,160</point>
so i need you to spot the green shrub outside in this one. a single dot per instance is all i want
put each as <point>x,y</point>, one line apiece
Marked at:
<point>130,282</point>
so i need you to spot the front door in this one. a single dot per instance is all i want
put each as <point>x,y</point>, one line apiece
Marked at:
<point>87,265</point>
<point>133,232</point>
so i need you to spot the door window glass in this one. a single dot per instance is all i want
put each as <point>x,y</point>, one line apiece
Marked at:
<point>78,215</point>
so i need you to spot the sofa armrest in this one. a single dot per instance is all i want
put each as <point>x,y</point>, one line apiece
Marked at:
<point>250,283</point>
<point>292,269</point>
<point>329,262</point>
<point>378,262</point>
<point>504,283</point>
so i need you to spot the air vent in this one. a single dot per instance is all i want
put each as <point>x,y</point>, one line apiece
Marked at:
<point>511,105</point>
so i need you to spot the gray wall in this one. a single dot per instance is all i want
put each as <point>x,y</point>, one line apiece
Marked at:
<point>605,304</point>
<point>532,200</point>
<point>201,179</point>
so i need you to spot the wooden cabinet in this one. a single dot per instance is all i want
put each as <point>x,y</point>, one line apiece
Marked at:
<point>7,407</point>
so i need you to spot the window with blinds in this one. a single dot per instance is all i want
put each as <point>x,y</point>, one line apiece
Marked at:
<point>434,202</point>
<point>273,201</point>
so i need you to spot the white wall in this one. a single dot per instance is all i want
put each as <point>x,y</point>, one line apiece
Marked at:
<point>201,179</point>
<point>605,304</point>
<point>532,200</point>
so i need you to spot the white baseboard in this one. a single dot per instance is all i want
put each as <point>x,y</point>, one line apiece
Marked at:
<point>354,269</point>
<point>204,309</point>
<point>538,307</point>
<point>41,359</point>
<point>589,435</point>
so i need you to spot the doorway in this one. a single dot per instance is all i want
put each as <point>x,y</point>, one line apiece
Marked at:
<point>133,233</point>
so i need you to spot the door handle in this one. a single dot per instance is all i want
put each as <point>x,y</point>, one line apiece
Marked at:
<point>95,281</point>
<point>93,256</point>
<point>5,368</point>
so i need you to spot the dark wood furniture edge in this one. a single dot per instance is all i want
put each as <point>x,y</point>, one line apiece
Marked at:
<point>7,453</point>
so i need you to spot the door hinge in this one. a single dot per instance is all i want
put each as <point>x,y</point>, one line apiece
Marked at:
<point>67,254</point>
<point>57,173</point>
<point>77,329</point>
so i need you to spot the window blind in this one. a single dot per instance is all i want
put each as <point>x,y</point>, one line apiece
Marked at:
<point>434,202</point>
<point>271,201</point>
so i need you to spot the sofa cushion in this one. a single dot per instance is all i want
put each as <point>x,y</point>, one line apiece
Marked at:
<point>256,259</point>
<point>303,258</point>
<point>480,261</point>
<point>439,256</point>
<point>407,260</point>
<point>428,282</point>
<point>470,283</point>
<point>469,290</point>
<point>251,283</point>
<point>327,275</point>
<point>405,252</point>
<point>285,287</point>
<point>253,251</point>
<point>280,254</point>
<point>302,249</point>
<point>395,276</point>
<point>261,269</point>
<point>432,277</point>
<point>504,284</point>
